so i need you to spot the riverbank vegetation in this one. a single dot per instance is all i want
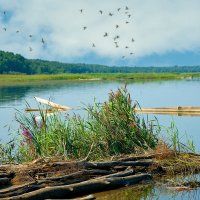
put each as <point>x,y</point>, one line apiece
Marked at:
<point>6,79</point>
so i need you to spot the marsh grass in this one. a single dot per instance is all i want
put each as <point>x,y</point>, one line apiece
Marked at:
<point>109,129</point>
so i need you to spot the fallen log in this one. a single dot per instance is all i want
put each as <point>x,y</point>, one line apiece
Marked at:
<point>89,197</point>
<point>55,181</point>
<point>4,181</point>
<point>110,164</point>
<point>79,174</point>
<point>82,188</point>
<point>7,175</point>
<point>52,104</point>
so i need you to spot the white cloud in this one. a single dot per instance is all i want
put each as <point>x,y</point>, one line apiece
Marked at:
<point>158,26</point>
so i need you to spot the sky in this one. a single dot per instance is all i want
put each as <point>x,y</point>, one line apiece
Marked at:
<point>151,32</point>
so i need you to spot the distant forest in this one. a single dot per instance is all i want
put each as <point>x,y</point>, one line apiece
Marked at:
<point>11,63</point>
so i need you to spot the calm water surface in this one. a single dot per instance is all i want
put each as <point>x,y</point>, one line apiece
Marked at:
<point>74,94</point>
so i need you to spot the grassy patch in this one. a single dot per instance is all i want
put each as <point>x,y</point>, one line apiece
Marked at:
<point>96,76</point>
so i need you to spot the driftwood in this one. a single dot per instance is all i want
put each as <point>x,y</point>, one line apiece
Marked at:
<point>55,181</point>
<point>52,104</point>
<point>178,111</point>
<point>84,177</point>
<point>88,197</point>
<point>110,164</point>
<point>82,188</point>
<point>4,181</point>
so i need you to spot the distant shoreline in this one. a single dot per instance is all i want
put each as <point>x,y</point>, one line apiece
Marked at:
<point>8,78</point>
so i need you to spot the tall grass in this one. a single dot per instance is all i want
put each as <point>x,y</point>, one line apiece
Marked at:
<point>110,128</point>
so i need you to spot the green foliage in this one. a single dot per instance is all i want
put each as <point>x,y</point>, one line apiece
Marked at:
<point>110,128</point>
<point>175,140</point>
<point>15,63</point>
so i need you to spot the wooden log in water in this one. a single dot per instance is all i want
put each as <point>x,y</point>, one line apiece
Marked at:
<point>52,104</point>
<point>4,181</point>
<point>178,111</point>
<point>110,164</point>
<point>82,188</point>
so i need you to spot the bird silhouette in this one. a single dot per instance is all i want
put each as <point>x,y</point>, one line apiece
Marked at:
<point>84,28</point>
<point>42,40</point>
<point>30,49</point>
<point>105,34</point>
<point>116,37</point>
<point>126,47</point>
<point>30,36</point>
<point>131,53</point>
<point>132,40</point>
<point>93,45</point>
<point>127,22</point>
<point>123,56</point>
<point>111,14</point>
<point>117,26</point>
<point>4,12</point>
<point>17,31</point>
<point>81,10</point>
<point>4,28</point>
<point>129,16</point>
<point>101,12</point>
<point>118,9</point>
<point>126,8</point>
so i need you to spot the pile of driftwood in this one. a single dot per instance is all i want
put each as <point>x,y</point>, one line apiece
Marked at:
<point>43,179</point>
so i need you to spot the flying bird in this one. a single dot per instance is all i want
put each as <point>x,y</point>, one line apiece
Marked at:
<point>84,28</point>
<point>4,12</point>
<point>30,36</point>
<point>127,22</point>
<point>4,28</point>
<point>17,31</point>
<point>118,9</point>
<point>81,10</point>
<point>126,8</point>
<point>105,35</point>
<point>93,45</point>
<point>42,40</point>
<point>126,47</point>
<point>116,37</point>
<point>111,14</point>
<point>129,16</point>
<point>101,12</point>
<point>123,56</point>
<point>30,49</point>
<point>132,40</point>
<point>131,53</point>
<point>117,26</point>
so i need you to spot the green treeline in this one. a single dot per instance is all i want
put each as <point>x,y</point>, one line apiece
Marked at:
<point>11,63</point>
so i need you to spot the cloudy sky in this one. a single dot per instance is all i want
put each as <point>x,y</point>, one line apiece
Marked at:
<point>165,32</point>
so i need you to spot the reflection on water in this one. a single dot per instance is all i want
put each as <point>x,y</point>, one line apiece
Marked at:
<point>148,192</point>
<point>75,93</point>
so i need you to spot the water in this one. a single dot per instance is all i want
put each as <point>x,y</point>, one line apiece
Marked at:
<point>75,93</point>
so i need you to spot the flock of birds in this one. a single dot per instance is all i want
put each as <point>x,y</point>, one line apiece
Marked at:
<point>43,42</point>
<point>116,38</point>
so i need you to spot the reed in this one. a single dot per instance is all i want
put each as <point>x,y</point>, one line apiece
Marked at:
<point>109,129</point>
